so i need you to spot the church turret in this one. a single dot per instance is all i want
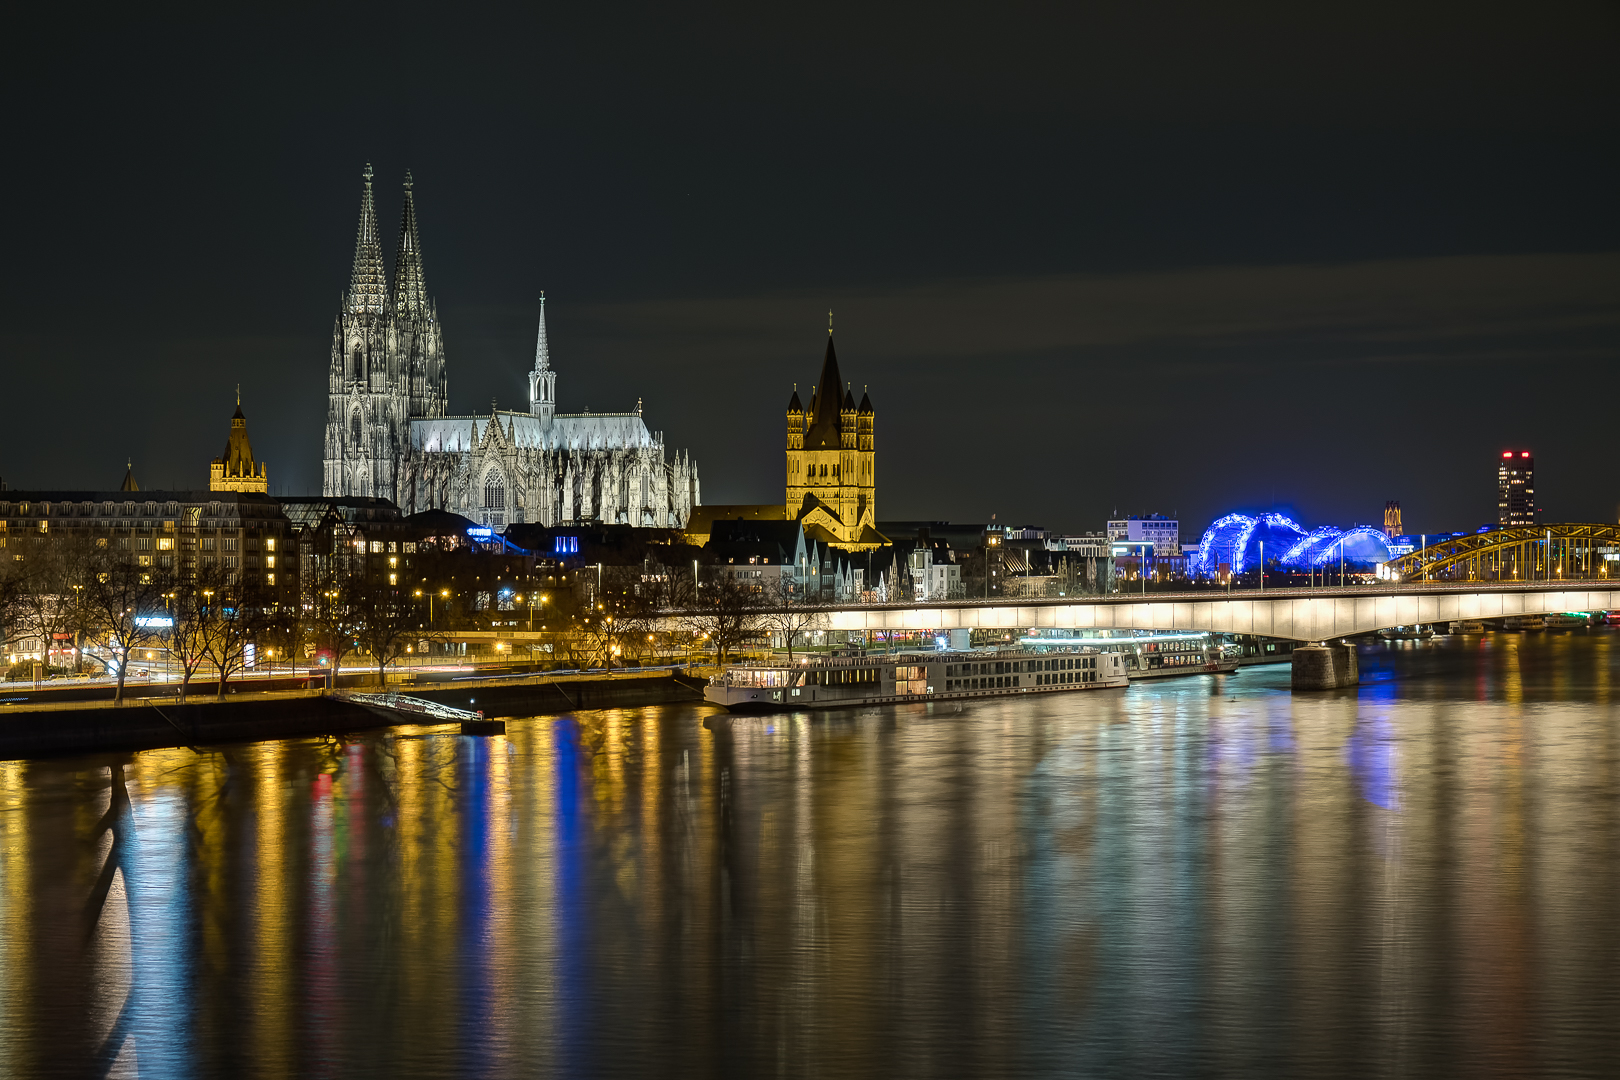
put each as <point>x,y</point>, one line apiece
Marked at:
<point>795,421</point>
<point>846,422</point>
<point>235,471</point>
<point>542,380</point>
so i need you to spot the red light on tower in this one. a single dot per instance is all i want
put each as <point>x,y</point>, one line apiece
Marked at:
<point>1524,453</point>
<point>1507,453</point>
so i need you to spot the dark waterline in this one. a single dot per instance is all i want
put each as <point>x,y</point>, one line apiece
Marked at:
<point>1197,876</point>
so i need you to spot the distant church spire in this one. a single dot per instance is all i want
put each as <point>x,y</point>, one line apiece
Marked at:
<point>410,287</point>
<point>368,287</point>
<point>542,355</point>
<point>542,380</point>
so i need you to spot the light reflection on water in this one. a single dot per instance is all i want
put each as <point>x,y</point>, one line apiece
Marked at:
<point>1197,876</point>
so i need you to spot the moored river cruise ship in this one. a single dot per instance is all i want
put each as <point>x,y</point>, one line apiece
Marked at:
<point>833,682</point>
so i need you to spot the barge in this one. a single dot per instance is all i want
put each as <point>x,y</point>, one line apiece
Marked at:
<point>845,681</point>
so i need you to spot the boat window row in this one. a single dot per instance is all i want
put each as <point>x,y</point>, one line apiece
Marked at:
<point>989,682</point>
<point>841,677</point>
<point>760,677</point>
<point>1059,678</point>
<point>1017,667</point>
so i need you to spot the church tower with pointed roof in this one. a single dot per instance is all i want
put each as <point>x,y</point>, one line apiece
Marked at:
<point>236,471</point>
<point>832,462</point>
<point>387,364</point>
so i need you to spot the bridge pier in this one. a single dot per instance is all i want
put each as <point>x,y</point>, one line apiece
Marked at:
<point>1325,667</point>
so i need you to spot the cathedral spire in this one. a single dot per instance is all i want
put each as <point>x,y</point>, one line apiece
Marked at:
<point>542,355</point>
<point>410,286</point>
<point>542,380</point>
<point>368,287</point>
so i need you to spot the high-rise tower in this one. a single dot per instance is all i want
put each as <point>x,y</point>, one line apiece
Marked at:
<point>1516,488</point>
<point>387,363</point>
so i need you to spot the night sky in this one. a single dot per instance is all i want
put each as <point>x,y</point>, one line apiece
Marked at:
<point>1087,258</point>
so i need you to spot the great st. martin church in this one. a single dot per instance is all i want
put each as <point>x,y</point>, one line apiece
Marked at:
<point>387,434</point>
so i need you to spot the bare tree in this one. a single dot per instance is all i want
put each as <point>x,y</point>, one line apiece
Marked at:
<point>123,600</point>
<point>190,608</point>
<point>334,621</point>
<point>726,612</point>
<point>49,583</point>
<point>787,614</point>
<point>387,621</point>
<point>232,615</point>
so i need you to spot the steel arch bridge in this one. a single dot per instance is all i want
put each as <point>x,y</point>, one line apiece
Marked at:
<point>1566,551</point>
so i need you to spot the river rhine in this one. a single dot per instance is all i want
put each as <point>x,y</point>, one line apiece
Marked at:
<point>1203,876</point>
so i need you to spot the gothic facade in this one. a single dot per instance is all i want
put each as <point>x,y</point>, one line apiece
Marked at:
<point>388,435</point>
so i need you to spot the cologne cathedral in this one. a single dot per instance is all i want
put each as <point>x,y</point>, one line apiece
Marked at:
<point>388,435</point>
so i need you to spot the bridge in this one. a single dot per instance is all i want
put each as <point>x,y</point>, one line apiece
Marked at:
<point>1549,552</point>
<point>1299,614</point>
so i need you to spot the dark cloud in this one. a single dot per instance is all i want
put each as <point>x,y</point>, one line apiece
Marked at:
<point>1164,257</point>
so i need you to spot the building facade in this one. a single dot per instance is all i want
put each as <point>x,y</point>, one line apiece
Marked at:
<point>1162,533</point>
<point>832,461</point>
<point>388,434</point>
<point>1516,488</point>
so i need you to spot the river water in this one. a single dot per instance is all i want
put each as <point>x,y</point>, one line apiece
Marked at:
<point>1197,876</point>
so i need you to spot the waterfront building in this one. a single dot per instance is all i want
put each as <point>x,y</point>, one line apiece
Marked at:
<point>1516,488</point>
<point>931,580</point>
<point>782,559</point>
<point>236,471</point>
<point>241,532</point>
<point>1161,533</point>
<point>388,434</point>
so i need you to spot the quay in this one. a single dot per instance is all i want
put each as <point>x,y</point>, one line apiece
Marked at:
<point>45,728</point>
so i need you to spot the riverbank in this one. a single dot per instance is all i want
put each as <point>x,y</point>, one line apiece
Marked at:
<point>29,730</point>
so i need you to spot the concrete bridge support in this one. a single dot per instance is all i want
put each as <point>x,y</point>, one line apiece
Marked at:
<point>1325,667</point>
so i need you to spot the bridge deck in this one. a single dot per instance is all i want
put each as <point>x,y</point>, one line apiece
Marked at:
<point>1300,614</point>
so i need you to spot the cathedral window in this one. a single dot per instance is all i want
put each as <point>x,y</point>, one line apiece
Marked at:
<point>354,430</point>
<point>359,366</point>
<point>494,493</point>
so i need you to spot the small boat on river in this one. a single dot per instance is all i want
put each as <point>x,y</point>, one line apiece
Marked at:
<point>845,681</point>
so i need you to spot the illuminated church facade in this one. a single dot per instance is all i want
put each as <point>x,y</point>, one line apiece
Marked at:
<point>832,461</point>
<point>388,434</point>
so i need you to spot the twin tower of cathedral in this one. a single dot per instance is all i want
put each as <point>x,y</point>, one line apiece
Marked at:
<point>388,434</point>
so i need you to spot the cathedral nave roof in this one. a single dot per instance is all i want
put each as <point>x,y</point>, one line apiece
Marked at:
<point>583,431</point>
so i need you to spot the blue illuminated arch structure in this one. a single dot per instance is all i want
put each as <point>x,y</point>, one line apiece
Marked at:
<point>1218,542</point>
<point>1305,552</point>
<point>1277,530</point>
<point>1236,538</point>
<point>1362,546</point>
